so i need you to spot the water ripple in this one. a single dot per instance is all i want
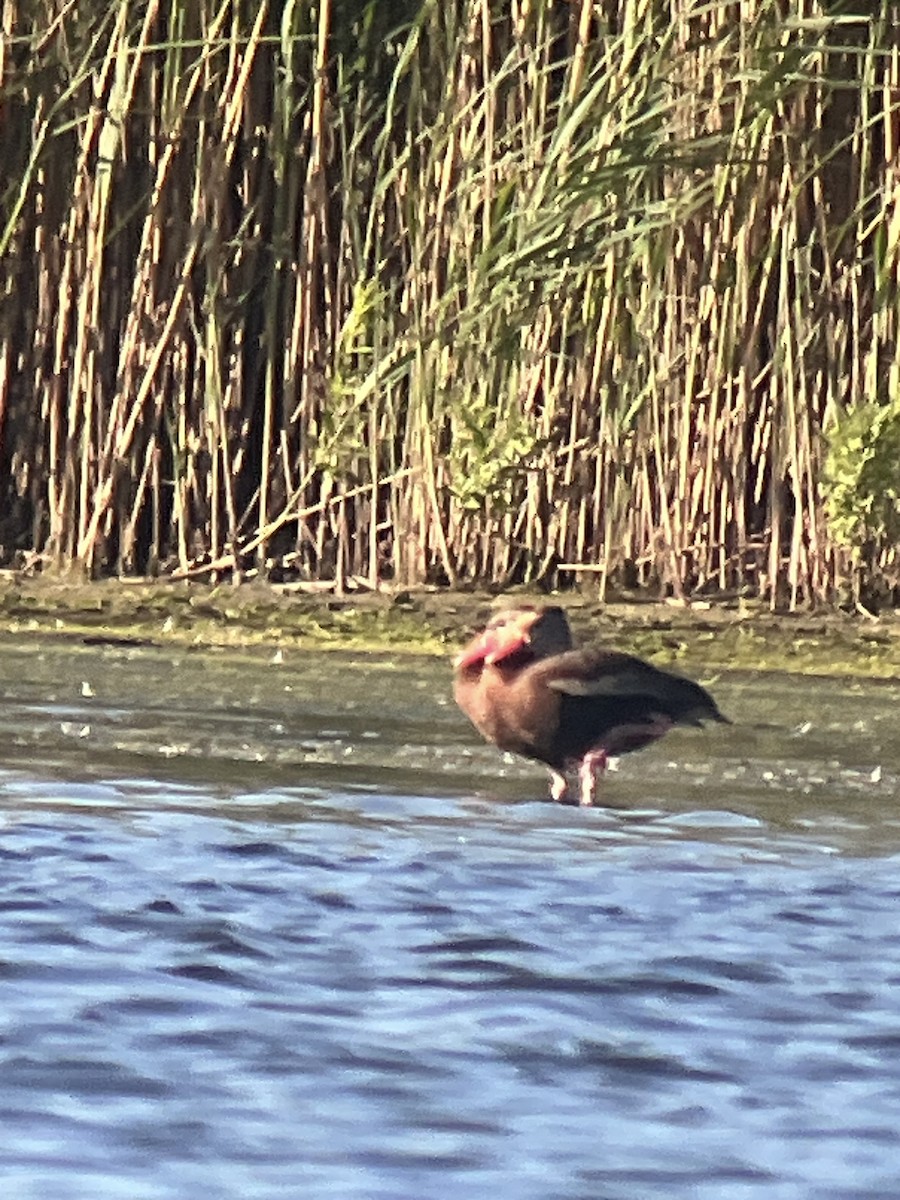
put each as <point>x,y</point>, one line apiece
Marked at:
<point>256,942</point>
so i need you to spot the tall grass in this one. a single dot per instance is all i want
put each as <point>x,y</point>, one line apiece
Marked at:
<point>482,292</point>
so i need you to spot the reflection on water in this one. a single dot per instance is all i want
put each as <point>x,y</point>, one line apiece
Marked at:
<point>288,929</point>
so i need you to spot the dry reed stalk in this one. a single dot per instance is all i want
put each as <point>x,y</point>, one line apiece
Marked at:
<point>614,301</point>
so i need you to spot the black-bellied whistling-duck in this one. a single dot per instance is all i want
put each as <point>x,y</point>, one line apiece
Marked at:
<point>526,690</point>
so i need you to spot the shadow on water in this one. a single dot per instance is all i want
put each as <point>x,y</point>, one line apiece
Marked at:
<point>277,928</point>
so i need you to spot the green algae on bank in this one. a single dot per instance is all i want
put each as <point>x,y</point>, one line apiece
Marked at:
<point>704,638</point>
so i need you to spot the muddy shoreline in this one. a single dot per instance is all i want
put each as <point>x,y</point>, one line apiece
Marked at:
<point>714,636</point>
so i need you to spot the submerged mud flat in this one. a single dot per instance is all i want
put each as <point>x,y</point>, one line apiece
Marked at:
<point>272,920</point>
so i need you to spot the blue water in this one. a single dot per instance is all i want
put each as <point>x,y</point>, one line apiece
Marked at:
<point>287,929</point>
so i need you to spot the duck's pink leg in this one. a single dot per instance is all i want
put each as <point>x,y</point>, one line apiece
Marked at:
<point>558,786</point>
<point>593,764</point>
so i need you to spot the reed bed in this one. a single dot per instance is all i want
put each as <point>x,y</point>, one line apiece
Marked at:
<point>460,292</point>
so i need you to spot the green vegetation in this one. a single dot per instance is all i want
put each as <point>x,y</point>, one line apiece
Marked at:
<point>456,293</point>
<point>862,477</point>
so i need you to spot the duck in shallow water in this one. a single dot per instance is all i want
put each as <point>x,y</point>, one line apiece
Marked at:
<point>524,688</point>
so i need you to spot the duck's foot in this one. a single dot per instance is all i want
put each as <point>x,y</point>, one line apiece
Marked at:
<point>592,765</point>
<point>559,786</point>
